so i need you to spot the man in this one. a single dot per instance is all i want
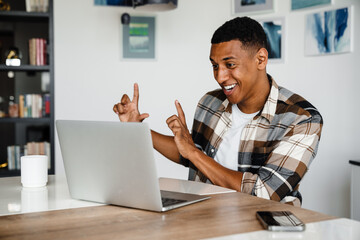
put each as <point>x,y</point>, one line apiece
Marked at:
<point>250,135</point>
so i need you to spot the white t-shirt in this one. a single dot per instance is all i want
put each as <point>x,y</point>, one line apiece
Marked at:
<point>228,152</point>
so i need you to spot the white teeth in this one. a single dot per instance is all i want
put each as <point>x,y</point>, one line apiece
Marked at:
<point>230,87</point>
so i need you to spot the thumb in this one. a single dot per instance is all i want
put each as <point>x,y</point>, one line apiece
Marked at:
<point>143,116</point>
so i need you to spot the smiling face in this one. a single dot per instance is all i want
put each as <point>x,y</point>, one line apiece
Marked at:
<point>241,74</point>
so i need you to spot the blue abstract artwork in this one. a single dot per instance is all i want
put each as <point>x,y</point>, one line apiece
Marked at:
<point>274,30</point>
<point>328,32</point>
<point>245,7</point>
<point>299,4</point>
<point>273,35</point>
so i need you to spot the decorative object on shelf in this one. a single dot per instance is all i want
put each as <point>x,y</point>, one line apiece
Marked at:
<point>45,82</point>
<point>246,7</point>
<point>139,38</point>
<point>13,57</point>
<point>13,108</point>
<point>328,32</point>
<point>274,29</point>
<point>11,74</point>
<point>37,5</point>
<point>300,4</point>
<point>4,6</point>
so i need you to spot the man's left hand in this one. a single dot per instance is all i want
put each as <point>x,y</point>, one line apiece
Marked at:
<point>182,137</point>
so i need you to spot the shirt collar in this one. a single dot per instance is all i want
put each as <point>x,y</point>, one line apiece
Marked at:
<point>269,108</point>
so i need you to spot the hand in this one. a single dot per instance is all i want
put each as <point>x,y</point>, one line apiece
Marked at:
<point>128,110</point>
<point>182,137</point>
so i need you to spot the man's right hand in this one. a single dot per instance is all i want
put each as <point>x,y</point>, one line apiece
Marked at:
<point>128,110</point>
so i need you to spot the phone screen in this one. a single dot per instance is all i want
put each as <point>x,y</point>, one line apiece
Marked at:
<point>280,221</point>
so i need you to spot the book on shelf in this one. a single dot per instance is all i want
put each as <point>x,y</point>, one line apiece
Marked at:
<point>37,51</point>
<point>34,105</point>
<point>21,106</point>
<point>15,152</point>
<point>46,105</point>
<point>14,155</point>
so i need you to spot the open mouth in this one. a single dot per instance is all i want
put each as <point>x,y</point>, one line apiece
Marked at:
<point>229,88</point>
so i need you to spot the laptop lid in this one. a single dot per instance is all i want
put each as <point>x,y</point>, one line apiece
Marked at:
<point>112,163</point>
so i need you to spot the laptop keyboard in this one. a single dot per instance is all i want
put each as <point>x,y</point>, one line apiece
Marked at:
<point>170,201</point>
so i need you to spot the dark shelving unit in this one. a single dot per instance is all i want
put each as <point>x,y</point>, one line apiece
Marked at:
<point>23,16</point>
<point>25,68</point>
<point>21,26</point>
<point>25,120</point>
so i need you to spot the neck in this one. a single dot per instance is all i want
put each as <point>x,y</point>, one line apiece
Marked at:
<point>259,95</point>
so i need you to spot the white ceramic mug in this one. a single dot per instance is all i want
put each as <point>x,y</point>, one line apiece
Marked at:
<point>34,170</point>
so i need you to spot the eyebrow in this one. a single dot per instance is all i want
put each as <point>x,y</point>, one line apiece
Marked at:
<point>224,59</point>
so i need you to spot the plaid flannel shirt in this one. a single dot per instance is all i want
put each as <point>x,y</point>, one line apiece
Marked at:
<point>276,147</point>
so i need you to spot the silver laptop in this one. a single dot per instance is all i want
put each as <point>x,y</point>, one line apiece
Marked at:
<point>113,163</point>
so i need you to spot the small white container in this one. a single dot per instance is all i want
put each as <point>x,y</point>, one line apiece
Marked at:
<point>34,170</point>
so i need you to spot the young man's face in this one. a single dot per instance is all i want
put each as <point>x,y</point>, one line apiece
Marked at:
<point>236,71</point>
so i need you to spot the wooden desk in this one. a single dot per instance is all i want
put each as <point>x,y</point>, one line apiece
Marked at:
<point>223,214</point>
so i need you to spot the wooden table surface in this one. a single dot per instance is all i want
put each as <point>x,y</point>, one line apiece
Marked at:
<point>223,214</point>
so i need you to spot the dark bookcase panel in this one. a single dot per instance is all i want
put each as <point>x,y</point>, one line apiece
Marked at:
<point>17,27</point>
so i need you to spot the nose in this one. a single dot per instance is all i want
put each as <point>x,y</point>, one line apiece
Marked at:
<point>221,75</point>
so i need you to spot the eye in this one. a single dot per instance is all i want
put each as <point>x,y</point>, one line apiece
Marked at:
<point>230,65</point>
<point>215,66</point>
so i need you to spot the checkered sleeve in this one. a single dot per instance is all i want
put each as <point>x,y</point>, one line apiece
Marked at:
<point>287,162</point>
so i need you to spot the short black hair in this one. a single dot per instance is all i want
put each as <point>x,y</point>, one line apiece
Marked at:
<point>248,31</point>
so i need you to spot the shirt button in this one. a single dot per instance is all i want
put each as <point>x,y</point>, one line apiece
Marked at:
<point>212,150</point>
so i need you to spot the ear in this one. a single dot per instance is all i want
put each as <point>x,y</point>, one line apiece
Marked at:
<point>262,58</point>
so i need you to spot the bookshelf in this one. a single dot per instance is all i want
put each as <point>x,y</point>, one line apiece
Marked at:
<point>17,27</point>
<point>25,68</point>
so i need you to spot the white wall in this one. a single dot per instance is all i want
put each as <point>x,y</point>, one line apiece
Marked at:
<point>90,77</point>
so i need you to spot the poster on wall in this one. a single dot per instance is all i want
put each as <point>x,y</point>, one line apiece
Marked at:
<point>274,30</point>
<point>139,38</point>
<point>245,7</point>
<point>328,32</point>
<point>300,4</point>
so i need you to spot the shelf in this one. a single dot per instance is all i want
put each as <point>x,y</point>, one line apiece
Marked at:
<point>22,15</point>
<point>354,162</point>
<point>9,173</point>
<point>25,68</point>
<point>25,120</point>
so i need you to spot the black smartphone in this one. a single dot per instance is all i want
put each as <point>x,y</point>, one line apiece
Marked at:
<point>280,221</point>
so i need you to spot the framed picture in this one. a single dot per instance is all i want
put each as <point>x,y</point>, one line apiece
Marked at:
<point>119,3</point>
<point>245,7</point>
<point>275,34</point>
<point>328,32</point>
<point>139,38</point>
<point>300,4</point>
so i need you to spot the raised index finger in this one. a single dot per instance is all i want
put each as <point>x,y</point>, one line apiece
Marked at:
<point>136,94</point>
<point>180,112</point>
